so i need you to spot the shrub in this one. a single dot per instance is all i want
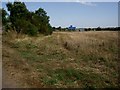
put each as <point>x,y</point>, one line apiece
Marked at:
<point>8,27</point>
<point>32,30</point>
<point>26,27</point>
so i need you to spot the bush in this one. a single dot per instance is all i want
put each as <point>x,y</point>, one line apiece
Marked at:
<point>49,30</point>
<point>46,29</point>
<point>8,27</point>
<point>26,27</point>
<point>32,30</point>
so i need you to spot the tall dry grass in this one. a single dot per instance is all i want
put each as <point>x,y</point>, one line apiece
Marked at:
<point>76,54</point>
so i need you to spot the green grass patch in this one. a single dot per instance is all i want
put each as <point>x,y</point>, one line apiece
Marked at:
<point>30,56</point>
<point>15,45</point>
<point>69,76</point>
<point>49,81</point>
<point>30,46</point>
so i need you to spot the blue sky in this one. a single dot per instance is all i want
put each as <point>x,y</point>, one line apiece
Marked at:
<point>64,14</point>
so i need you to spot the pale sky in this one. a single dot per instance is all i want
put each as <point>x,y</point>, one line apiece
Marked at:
<point>79,14</point>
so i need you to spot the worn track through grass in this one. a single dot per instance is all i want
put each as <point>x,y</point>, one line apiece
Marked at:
<point>64,59</point>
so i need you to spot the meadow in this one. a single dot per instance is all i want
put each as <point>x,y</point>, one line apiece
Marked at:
<point>63,59</point>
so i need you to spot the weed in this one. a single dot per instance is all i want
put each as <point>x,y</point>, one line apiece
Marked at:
<point>30,46</point>
<point>102,59</point>
<point>68,74</point>
<point>49,81</point>
<point>15,45</point>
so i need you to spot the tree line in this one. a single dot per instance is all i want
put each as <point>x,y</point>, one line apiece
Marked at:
<point>103,29</point>
<point>87,29</point>
<point>23,21</point>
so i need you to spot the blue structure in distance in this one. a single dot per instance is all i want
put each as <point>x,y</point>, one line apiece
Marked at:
<point>71,27</point>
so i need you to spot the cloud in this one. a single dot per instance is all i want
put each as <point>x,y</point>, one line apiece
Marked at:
<point>86,3</point>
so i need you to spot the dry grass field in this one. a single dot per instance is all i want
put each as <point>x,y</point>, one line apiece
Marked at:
<point>64,59</point>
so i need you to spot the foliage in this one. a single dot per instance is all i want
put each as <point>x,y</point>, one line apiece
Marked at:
<point>26,27</point>
<point>17,10</point>
<point>4,14</point>
<point>98,29</point>
<point>32,30</point>
<point>24,21</point>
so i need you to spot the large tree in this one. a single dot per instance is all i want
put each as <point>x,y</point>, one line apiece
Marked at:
<point>17,10</point>
<point>44,24</point>
<point>19,14</point>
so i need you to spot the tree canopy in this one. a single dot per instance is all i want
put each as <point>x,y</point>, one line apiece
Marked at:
<point>24,21</point>
<point>3,14</point>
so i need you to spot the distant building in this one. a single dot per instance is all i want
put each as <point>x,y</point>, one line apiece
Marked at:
<point>71,28</point>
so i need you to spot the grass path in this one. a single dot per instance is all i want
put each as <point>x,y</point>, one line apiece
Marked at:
<point>8,80</point>
<point>16,71</point>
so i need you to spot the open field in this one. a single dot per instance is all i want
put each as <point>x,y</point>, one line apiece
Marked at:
<point>64,59</point>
